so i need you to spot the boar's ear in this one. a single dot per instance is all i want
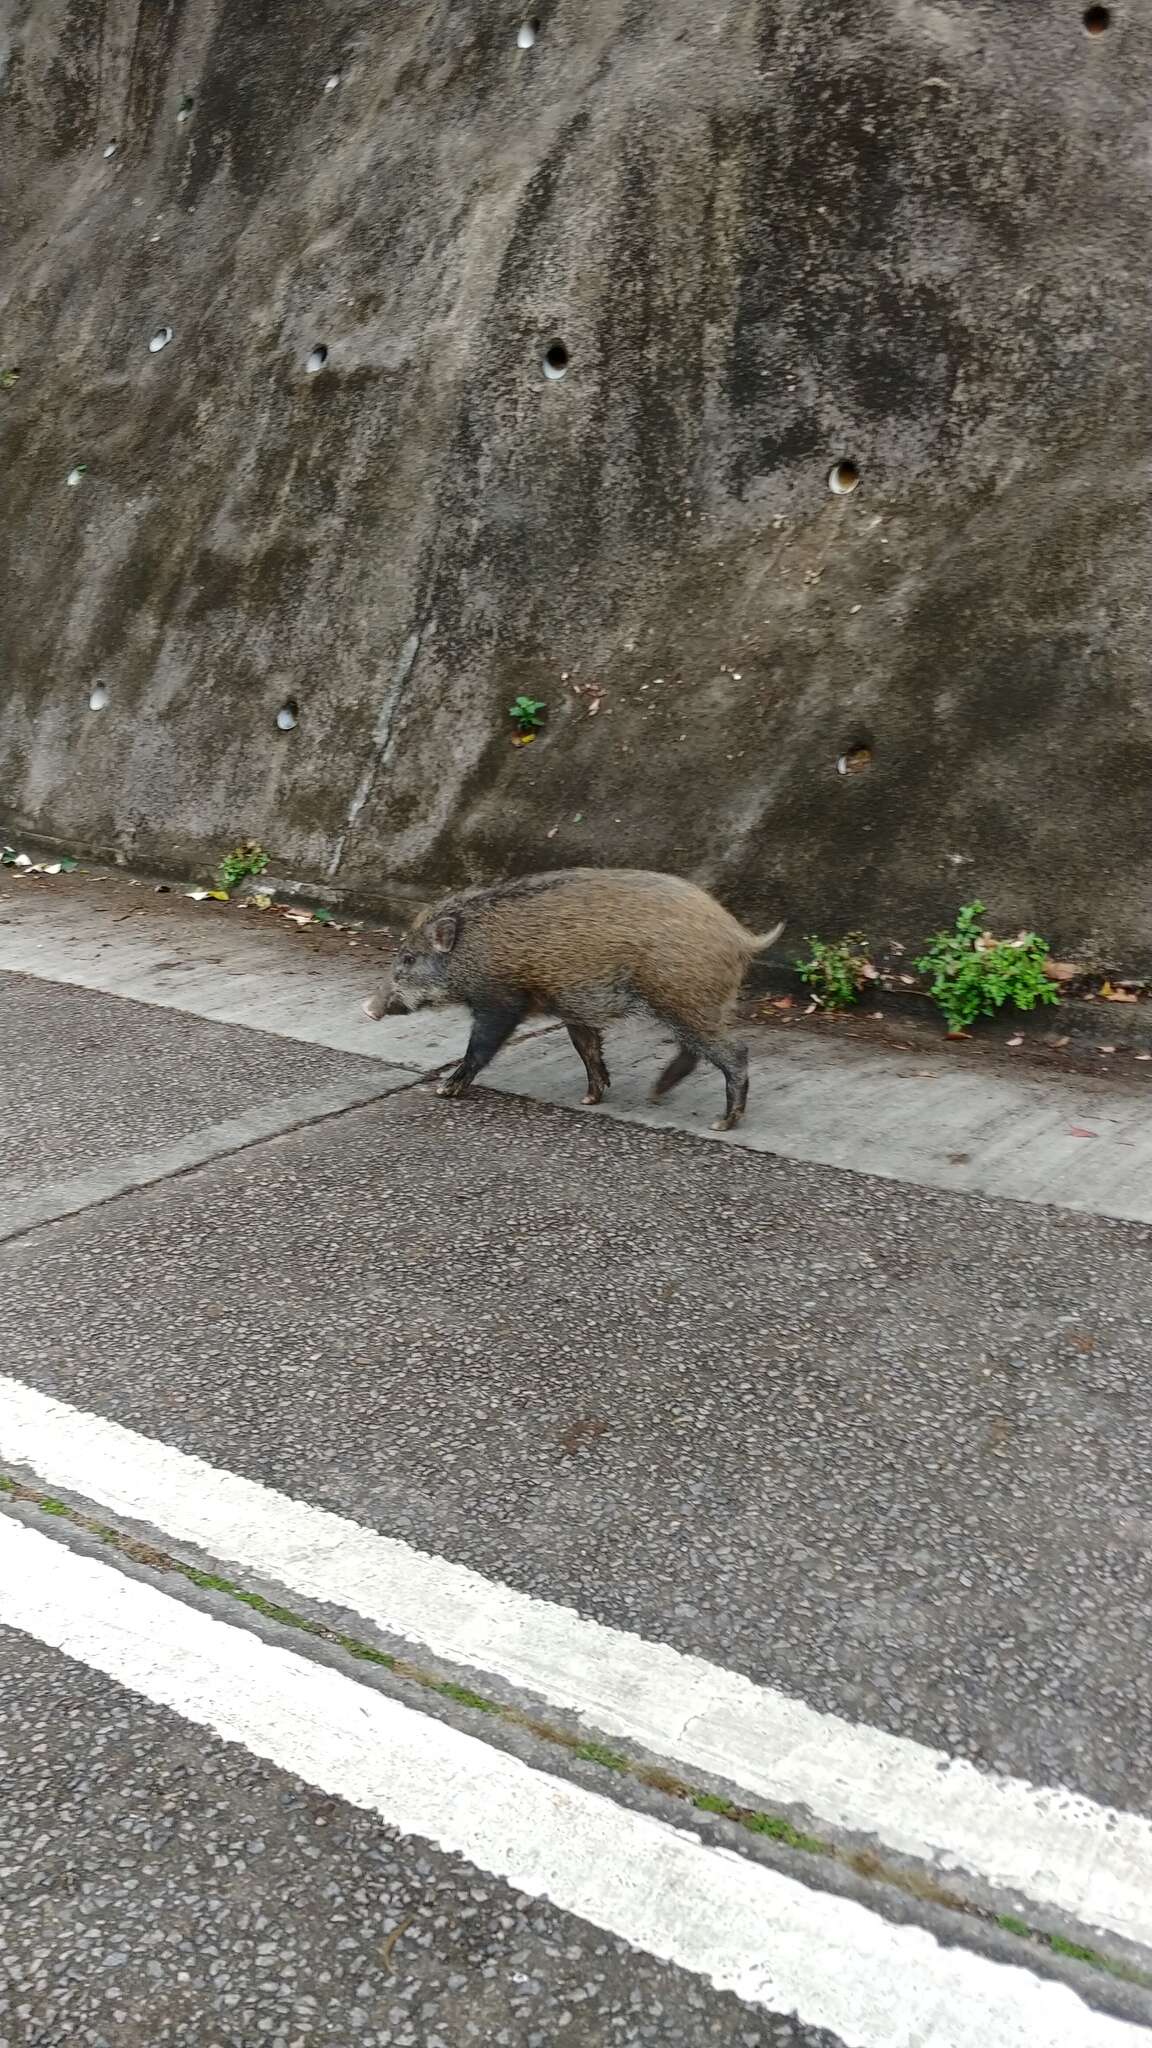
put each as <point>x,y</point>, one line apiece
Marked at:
<point>443,934</point>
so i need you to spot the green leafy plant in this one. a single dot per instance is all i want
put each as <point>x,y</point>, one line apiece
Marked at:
<point>836,969</point>
<point>9,378</point>
<point>527,714</point>
<point>973,974</point>
<point>244,860</point>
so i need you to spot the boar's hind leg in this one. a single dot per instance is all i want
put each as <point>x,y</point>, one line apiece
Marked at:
<point>590,1047</point>
<point>725,1053</point>
<point>677,1070</point>
<point>732,1059</point>
<point>491,1028</point>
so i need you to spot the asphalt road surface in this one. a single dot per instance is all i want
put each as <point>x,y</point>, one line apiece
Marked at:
<point>486,1572</point>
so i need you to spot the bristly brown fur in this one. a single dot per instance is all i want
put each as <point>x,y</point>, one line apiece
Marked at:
<point>587,945</point>
<point>683,955</point>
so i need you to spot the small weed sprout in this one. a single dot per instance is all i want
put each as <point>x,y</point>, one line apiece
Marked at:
<point>527,714</point>
<point>244,860</point>
<point>836,969</point>
<point>972,974</point>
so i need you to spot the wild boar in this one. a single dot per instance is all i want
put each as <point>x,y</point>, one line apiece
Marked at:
<point>586,945</point>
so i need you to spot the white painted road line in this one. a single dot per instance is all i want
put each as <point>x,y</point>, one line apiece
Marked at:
<point>1056,1848</point>
<point>748,1929</point>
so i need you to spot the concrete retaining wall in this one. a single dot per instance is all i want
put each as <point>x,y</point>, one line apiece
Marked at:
<point>772,237</point>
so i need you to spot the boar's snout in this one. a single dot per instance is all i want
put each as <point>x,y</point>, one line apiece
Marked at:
<point>385,1003</point>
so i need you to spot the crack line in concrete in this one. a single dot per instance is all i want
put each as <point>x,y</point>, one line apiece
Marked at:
<point>381,738</point>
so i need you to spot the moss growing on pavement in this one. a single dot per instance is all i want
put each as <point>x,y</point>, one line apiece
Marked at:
<point>754,1820</point>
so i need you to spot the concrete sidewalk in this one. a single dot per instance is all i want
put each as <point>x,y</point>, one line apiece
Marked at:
<point>1077,1141</point>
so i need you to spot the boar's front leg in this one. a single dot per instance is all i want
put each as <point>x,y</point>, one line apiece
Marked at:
<point>492,1027</point>
<point>590,1047</point>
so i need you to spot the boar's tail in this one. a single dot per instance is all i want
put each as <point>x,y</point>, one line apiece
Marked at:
<point>761,944</point>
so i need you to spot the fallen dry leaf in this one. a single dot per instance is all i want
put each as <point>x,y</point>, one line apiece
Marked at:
<point>1077,1131</point>
<point>388,1945</point>
<point>1105,1048</point>
<point>1144,1055</point>
<point>1116,995</point>
<point>1018,1040</point>
<point>1062,970</point>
